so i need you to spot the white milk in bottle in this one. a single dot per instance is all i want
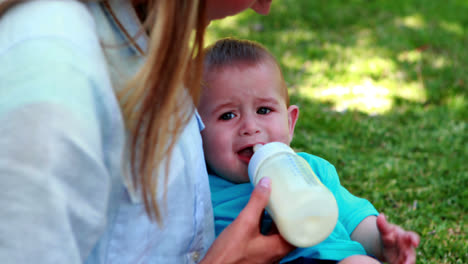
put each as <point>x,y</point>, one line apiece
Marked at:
<point>303,209</point>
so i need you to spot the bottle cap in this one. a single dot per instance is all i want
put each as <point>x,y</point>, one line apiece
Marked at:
<point>264,152</point>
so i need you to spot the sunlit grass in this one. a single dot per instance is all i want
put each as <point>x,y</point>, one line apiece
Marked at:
<point>365,97</point>
<point>415,21</point>
<point>368,79</point>
<point>452,27</point>
<point>228,23</point>
<point>361,77</point>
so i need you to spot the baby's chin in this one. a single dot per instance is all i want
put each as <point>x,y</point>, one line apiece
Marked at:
<point>235,177</point>
<point>240,175</point>
<point>244,177</point>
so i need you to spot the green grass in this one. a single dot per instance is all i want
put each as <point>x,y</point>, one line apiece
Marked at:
<point>383,92</point>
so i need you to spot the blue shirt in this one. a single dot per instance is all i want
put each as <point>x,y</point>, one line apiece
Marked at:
<point>64,192</point>
<point>229,199</point>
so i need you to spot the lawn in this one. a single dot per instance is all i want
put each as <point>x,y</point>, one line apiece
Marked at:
<point>383,91</point>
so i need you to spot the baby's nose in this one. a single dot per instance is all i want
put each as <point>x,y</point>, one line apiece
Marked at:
<point>249,127</point>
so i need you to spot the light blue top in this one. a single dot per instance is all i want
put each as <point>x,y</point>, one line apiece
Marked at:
<point>229,199</point>
<point>63,193</point>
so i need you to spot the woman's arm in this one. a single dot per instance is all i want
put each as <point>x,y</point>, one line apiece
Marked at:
<point>55,183</point>
<point>53,190</point>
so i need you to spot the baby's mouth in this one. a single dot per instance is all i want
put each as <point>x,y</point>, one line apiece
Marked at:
<point>245,154</point>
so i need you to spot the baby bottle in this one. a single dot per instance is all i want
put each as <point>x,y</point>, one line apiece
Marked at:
<point>303,209</point>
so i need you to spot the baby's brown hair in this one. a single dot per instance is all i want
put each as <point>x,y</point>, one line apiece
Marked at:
<point>234,52</point>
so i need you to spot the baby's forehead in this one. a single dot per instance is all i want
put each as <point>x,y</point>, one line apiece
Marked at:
<point>247,67</point>
<point>220,75</point>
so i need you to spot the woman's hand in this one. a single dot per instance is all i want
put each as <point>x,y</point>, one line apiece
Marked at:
<point>398,244</point>
<point>242,242</point>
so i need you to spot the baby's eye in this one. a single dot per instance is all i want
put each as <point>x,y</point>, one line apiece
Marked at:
<point>263,110</point>
<point>227,116</point>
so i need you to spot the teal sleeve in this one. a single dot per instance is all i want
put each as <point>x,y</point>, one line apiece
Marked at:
<point>351,209</point>
<point>228,200</point>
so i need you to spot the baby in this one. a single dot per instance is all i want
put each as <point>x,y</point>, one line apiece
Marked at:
<point>245,102</point>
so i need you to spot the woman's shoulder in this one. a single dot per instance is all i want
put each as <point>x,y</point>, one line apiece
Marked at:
<point>47,19</point>
<point>322,168</point>
<point>315,160</point>
<point>50,54</point>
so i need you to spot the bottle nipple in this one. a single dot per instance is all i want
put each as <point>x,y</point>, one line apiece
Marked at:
<point>256,147</point>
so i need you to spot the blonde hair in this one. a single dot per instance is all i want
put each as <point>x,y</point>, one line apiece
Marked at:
<point>154,103</point>
<point>159,101</point>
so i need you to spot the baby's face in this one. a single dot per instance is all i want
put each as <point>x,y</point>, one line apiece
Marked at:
<point>241,107</point>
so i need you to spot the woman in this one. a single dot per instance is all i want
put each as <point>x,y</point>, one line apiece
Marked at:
<point>100,136</point>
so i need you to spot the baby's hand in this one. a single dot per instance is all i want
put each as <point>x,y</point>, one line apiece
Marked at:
<point>398,244</point>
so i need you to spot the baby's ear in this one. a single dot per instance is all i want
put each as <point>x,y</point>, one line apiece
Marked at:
<point>293,114</point>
